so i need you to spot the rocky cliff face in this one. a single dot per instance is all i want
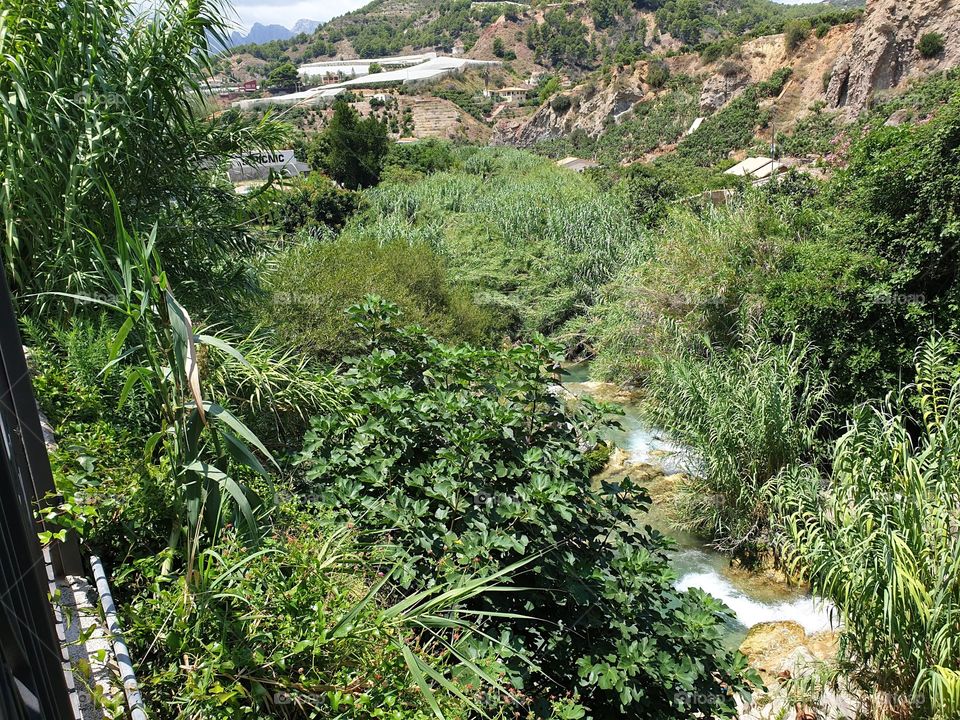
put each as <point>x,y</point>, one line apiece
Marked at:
<point>590,109</point>
<point>883,49</point>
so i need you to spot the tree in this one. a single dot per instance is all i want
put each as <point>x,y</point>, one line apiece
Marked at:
<point>498,48</point>
<point>352,150</point>
<point>376,68</point>
<point>284,76</point>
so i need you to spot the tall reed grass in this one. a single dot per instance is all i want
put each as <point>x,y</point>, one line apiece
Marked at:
<point>101,98</point>
<point>883,543</point>
<point>744,417</point>
<point>521,232</point>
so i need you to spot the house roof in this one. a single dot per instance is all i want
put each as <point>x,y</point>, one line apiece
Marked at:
<point>756,167</point>
<point>575,163</point>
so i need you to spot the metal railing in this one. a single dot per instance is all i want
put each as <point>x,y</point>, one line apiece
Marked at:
<point>35,678</point>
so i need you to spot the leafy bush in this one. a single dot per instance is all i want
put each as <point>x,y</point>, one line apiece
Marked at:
<point>745,416</point>
<point>657,74</point>
<point>898,197</point>
<point>813,134</point>
<point>312,283</point>
<point>315,201</point>
<point>763,257</point>
<point>930,45</point>
<point>795,32</point>
<point>774,85</point>
<point>470,463</point>
<point>881,545</point>
<point>561,103</point>
<point>648,191</point>
<point>426,156</point>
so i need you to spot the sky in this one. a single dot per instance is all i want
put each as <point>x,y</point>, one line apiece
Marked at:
<point>287,12</point>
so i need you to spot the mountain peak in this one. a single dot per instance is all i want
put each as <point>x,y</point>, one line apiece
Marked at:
<point>304,26</point>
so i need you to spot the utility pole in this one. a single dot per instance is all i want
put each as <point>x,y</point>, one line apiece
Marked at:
<point>773,137</point>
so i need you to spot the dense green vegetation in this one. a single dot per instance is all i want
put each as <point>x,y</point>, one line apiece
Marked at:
<point>930,44</point>
<point>314,431</point>
<point>531,242</point>
<point>57,162</point>
<point>752,414</point>
<point>351,149</point>
<point>883,543</point>
<point>786,310</point>
<point>437,447</point>
<point>646,127</point>
<point>181,377</point>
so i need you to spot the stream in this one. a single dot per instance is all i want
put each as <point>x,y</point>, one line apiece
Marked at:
<point>752,597</point>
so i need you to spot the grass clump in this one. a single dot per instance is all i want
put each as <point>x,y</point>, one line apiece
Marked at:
<point>746,415</point>
<point>311,284</point>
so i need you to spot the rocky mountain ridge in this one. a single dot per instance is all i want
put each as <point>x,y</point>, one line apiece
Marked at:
<point>883,51</point>
<point>842,70</point>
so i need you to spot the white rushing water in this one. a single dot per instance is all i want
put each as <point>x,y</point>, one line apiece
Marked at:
<point>808,612</point>
<point>703,568</point>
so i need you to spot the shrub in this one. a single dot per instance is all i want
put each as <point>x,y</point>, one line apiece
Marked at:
<point>561,103</point>
<point>882,544</point>
<point>302,628</point>
<point>813,134</point>
<point>930,45</point>
<point>775,84</point>
<point>313,283</point>
<point>657,74</point>
<point>427,156</point>
<point>648,191</point>
<point>471,464</point>
<point>795,32</point>
<point>315,201</point>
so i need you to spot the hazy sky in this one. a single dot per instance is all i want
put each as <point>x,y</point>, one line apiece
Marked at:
<point>287,12</point>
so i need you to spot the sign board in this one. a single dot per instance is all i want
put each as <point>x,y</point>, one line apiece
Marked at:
<point>250,86</point>
<point>258,165</point>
